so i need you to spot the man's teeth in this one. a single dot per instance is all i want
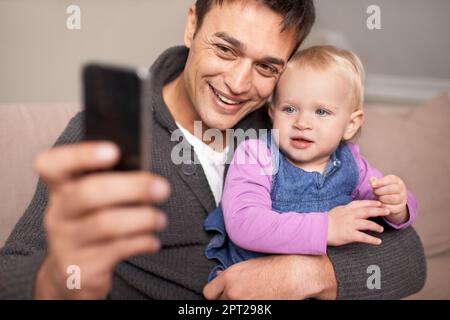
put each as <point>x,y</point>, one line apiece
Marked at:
<point>225,100</point>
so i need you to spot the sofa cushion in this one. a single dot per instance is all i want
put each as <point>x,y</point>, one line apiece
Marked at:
<point>414,146</point>
<point>24,131</point>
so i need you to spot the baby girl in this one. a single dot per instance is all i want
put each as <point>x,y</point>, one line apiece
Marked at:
<point>305,186</point>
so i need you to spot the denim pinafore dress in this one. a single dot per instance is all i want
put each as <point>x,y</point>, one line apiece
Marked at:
<point>293,190</point>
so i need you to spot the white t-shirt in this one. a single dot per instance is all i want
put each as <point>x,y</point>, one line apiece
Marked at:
<point>213,162</point>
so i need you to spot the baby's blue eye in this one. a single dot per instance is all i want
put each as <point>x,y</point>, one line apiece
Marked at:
<point>322,112</point>
<point>289,109</point>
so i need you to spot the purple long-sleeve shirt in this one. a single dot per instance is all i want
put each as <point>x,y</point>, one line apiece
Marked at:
<point>247,207</point>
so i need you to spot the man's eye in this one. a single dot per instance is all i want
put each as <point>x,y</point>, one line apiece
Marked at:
<point>267,69</point>
<point>322,112</point>
<point>224,49</point>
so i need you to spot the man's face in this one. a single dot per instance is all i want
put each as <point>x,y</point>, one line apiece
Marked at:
<point>235,59</point>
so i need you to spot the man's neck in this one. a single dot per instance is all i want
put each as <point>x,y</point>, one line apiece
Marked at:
<point>177,100</point>
<point>180,106</point>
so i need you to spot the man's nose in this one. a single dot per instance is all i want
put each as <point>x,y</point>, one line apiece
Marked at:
<point>239,79</point>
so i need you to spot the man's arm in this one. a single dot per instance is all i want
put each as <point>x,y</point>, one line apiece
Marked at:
<point>400,259</point>
<point>86,222</point>
<point>25,250</point>
<point>281,277</point>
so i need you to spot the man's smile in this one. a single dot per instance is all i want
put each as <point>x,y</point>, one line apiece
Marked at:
<point>226,103</point>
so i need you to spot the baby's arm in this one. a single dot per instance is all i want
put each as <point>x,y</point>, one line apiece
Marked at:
<point>389,190</point>
<point>247,207</point>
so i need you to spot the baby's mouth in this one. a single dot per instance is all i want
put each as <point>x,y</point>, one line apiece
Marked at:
<point>299,139</point>
<point>301,143</point>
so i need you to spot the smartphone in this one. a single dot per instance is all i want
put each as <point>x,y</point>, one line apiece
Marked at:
<point>118,108</point>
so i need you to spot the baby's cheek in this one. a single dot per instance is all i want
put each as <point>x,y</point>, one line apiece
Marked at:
<point>278,129</point>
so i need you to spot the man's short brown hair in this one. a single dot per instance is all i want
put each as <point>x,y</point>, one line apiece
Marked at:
<point>298,14</point>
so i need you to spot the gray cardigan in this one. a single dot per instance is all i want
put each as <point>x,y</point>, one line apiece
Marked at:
<point>180,270</point>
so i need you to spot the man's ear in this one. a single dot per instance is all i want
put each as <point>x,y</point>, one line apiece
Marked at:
<point>191,26</point>
<point>356,122</point>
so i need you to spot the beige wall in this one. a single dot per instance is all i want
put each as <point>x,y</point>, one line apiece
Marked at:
<point>407,60</point>
<point>414,40</point>
<point>40,58</point>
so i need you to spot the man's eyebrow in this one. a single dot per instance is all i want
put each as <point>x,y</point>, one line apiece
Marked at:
<point>240,46</point>
<point>273,60</point>
<point>231,40</point>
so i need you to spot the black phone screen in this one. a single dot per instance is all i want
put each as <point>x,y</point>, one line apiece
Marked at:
<point>116,109</point>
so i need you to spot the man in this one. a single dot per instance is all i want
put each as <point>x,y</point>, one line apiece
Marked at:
<point>237,51</point>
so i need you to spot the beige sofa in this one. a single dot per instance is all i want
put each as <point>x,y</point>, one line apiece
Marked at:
<point>411,142</point>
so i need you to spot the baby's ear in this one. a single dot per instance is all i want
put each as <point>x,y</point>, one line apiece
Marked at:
<point>356,121</point>
<point>270,110</point>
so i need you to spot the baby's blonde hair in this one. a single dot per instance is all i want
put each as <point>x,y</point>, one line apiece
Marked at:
<point>327,57</point>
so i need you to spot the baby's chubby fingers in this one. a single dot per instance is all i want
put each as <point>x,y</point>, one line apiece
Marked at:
<point>392,199</point>
<point>365,238</point>
<point>364,224</point>
<point>377,183</point>
<point>392,189</point>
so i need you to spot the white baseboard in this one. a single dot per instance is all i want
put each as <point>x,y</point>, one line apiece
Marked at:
<point>402,89</point>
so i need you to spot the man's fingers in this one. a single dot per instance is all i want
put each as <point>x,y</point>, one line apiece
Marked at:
<point>112,188</point>
<point>124,248</point>
<point>369,226</point>
<point>365,213</point>
<point>215,289</point>
<point>365,238</point>
<point>60,163</point>
<point>119,222</point>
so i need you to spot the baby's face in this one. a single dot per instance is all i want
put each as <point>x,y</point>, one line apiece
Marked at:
<point>311,112</point>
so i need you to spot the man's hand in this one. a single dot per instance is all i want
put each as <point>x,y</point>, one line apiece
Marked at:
<point>392,193</point>
<point>275,277</point>
<point>94,221</point>
<point>346,223</point>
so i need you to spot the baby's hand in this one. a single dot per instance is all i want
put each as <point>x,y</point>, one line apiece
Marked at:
<point>346,224</point>
<point>391,192</point>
